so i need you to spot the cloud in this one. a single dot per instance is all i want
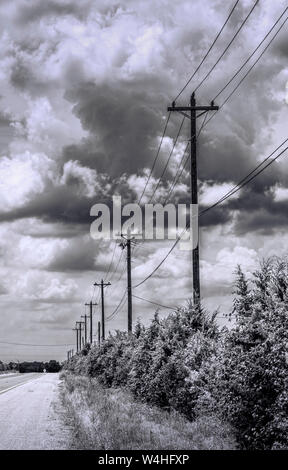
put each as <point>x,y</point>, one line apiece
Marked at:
<point>22,178</point>
<point>86,86</point>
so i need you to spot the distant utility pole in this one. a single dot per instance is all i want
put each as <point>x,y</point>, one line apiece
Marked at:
<point>77,342</point>
<point>85,327</point>
<point>80,323</point>
<point>91,320</point>
<point>193,173</point>
<point>102,284</point>
<point>127,244</point>
<point>99,332</point>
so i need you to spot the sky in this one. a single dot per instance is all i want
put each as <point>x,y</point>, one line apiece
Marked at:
<point>84,93</point>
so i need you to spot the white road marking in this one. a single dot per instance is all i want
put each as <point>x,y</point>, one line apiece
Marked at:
<point>18,385</point>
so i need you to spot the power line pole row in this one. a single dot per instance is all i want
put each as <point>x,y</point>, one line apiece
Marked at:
<point>127,240</point>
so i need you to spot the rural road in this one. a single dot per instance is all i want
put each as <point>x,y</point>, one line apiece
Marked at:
<point>30,412</point>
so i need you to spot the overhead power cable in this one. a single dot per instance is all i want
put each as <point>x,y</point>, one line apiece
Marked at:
<point>208,52</point>
<point>227,47</point>
<point>156,157</point>
<point>154,303</point>
<point>117,308</point>
<point>226,196</point>
<point>168,160</point>
<point>173,184</point>
<point>250,56</point>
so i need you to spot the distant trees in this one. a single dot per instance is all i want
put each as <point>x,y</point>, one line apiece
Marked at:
<point>10,366</point>
<point>51,366</point>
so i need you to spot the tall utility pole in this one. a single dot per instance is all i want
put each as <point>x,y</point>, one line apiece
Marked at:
<point>127,244</point>
<point>80,323</point>
<point>85,327</point>
<point>91,320</point>
<point>77,343</point>
<point>193,169</point>
<point>99,332</point>
<point>102,284</point>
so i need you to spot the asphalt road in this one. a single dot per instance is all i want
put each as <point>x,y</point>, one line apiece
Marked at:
<point>9,381</point>
<point>30,413</point>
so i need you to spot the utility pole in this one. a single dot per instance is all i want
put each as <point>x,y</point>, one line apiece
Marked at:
<point>80,323</point>
<point>102,284</point>
<point>127,244</point>
<point>193,173</point>
<point>85,327</point>
<point>77,343</point>
<point>99,332</point>
<point>91,320</point>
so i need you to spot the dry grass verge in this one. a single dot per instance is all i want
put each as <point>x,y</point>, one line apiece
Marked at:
<point>110,419</point>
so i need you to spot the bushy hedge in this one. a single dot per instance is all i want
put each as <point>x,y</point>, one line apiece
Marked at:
<point>186,362</point>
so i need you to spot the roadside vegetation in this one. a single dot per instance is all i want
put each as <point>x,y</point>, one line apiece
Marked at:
<point>111,419</point>
<point>232,378</point>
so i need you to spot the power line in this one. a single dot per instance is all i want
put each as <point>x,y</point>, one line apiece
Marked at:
<point>156,157</point>
<point>239,186</point>
<point>111,262</point>
<point>209,50</point>
<point>168,160</point>
<point>249,70</point>
<point>228,194</point>
<point>168,118</point>
<point>204,124</point>
<point>179,173</point>
<point>233,91</point>
<point>228,46</point>
<point>117,308</point>
<point>251,55</point>
<point>154,303</point>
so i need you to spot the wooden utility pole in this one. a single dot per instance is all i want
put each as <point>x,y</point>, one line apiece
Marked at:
<point>77,343</point>
<point>99,332</point>
<point>102,284</point>
<point>193,171</point>
<point>91,320</point>
<point>126,243</point>
<point>85,327</point>
<point>80,323</point>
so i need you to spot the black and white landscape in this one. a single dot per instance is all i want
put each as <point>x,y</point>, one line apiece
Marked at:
<point>85,86</point>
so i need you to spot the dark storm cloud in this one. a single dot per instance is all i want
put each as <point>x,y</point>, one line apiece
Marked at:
<point>3,290</point>
<point>263,220</point>
<point>123,117</point>
<point>35,10</point>
<point>124,123</point>
<point>217,216</point>
<point>78,256</point>
<point>54,205</point>
<point>21,76</point>
<point>64,204</point>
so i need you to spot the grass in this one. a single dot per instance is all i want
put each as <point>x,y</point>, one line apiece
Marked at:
<point>110,419</point>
